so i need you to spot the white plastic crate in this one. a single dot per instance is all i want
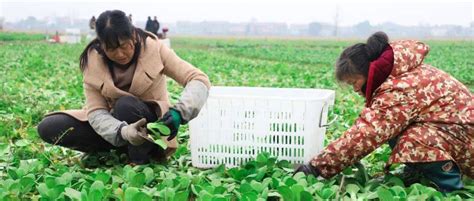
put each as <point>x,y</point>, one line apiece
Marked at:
<point>237,123</point>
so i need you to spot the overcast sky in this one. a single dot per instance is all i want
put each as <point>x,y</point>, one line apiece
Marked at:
<point>413,12</point>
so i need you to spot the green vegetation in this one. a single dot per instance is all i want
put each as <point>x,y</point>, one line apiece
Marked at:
<point>11,36</point>
<point>37,78</point>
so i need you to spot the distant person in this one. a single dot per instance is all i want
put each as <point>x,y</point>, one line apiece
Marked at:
<point>125,72</point>
<point>56,38</point>
<point>165,31</point>
<point>92,23</point>
<point>149,25</point>
<point>156,26</point>
<point>130,18</point>
<point>425,115</point>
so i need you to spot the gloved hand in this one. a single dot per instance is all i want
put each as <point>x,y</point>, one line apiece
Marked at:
<point>172,119</point>
<point>307,169</point>
<point>134,133</point>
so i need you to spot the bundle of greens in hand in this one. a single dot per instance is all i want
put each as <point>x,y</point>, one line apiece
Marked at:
<point>158,129</point>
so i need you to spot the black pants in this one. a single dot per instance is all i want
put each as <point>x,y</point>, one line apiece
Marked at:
<point>66,131</point>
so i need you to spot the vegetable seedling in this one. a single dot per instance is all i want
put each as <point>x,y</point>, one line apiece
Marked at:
<point>158,129</point>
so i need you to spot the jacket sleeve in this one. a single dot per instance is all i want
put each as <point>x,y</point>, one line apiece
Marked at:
<point>196,84</point>
<point>180,70</point>
<point>94,99</point>
<point>388,116</point>
<point>107,126</point>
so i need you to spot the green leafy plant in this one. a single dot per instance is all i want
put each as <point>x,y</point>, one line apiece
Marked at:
<point>158,129</point>
<point>38,78</point>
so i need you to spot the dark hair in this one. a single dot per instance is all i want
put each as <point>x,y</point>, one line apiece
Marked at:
<point>356,58</point>
<point>111,27</point>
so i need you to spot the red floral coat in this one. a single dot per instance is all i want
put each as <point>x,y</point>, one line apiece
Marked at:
<point>431,112</point>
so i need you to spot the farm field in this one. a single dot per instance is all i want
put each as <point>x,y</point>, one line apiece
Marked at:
<point>37,78</point>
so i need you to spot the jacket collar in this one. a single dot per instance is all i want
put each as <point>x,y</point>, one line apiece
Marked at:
<point>97,73</point>
<point>379,70</point>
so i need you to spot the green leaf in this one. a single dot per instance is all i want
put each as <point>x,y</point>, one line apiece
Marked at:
<point>299,175</point>
<point>399,191</point>
<point>256,186</point>
<point>95,195</point>
<point>158,129</point>
<point>161,143</point>
<point>348,171</point>
<point>297,189</point>
<point>72,193</point>
<point>141,196</point>
<point>384,194</point>
<point>138,180</point>
<point>97,185</point>
<point>395,181</point>
<point>95,191</point>
<point>275,183</point>
<point>182,195</point>
<point>286,193</point>
<point>130,193</point>
<point>219,190</point>
<point>251,196</point>
<point>102,176</point>
<point>27,182</point>
<point>327,193</point>
<point>216,182</point>
<point>22,143</point>
<point>283,164</point>
<point>305,195</point>
<point>65,179</point>
<point>43,190</point>
<point>84,194</point>
<point>290,181</point>
<point>13,187</point>
<point>352,189</point>
<point>196,189</point>
<point>50,181</point>
<point>263,157</point>
<point>184,183</point>
<point>149,174</point>
<point>4,149</point>
<point>245,188</point>
<point>169,193</point>
<point>129,173</point>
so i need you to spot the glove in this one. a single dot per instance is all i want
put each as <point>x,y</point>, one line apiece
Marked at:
<point>307,169</point>
<point>172,119</point>
<point>134,133</point>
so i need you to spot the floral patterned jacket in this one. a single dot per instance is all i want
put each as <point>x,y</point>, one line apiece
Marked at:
<point>430,112</point>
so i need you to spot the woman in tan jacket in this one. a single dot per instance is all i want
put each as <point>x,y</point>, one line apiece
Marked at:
<point>124,71</point>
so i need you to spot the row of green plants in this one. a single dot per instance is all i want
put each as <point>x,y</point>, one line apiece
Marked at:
<point>14,36</point>
<point>38,77</point>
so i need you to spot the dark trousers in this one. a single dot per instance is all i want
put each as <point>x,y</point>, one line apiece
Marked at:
<point>445,174</point>
<point>66,131</point>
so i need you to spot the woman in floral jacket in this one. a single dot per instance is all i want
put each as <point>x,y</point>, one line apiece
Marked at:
<point>426,115</point>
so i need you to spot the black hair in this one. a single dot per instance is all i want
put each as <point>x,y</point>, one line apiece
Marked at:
<point>111,27</point>
<point>356,58</point>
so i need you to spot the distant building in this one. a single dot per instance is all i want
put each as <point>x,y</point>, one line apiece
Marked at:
<point>298,29</point>
<point>267,29</point>
<point>439,31</point>
<point>254,28</point>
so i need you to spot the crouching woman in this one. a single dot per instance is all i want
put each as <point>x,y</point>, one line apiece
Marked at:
<point>425,115</point>
<point>124,72</point>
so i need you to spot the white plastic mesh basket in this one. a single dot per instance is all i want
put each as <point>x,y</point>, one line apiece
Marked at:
<point>237,123</point>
